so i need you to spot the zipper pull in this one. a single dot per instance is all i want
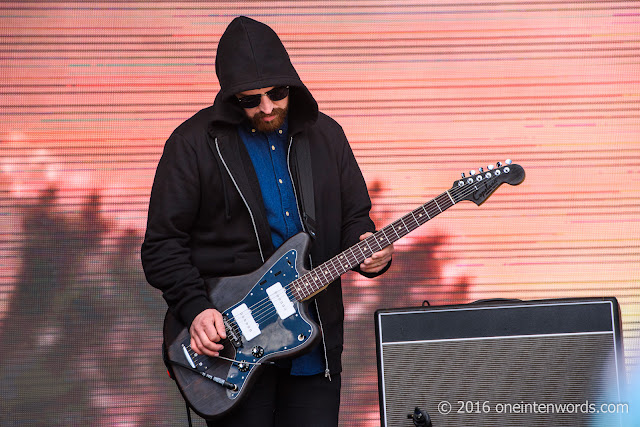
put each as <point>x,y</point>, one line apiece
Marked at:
<point>327,374</point>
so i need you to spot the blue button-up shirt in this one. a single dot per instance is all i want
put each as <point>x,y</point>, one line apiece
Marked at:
<point>268,153</point>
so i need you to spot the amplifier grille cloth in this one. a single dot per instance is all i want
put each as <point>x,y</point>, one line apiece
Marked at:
<point>542,369</point>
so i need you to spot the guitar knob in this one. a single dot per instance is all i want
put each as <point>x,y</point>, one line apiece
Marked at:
<point>243,366</point>
<point>257,351</point>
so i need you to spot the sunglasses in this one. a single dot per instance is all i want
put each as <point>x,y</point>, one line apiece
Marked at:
<point>276,94</point>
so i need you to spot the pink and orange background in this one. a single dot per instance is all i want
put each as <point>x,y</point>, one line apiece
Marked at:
<point>424,90</point>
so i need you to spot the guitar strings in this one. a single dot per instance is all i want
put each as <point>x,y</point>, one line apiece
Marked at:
<point>262,309</point>
<point>329,270</point>
<point>258,308</point>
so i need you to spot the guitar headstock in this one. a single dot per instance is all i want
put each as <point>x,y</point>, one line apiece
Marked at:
<point>479,185</point>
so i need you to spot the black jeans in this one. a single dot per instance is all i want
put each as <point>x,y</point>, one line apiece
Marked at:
<point>279,399</point>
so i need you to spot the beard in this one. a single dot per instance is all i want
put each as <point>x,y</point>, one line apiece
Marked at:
<point>258,122</point>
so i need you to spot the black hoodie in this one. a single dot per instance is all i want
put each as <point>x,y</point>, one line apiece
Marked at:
<point>206,215</point>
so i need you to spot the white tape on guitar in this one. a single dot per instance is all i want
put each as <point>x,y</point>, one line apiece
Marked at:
<point>280,300</point>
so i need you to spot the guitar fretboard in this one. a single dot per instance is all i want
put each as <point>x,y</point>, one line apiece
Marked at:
<point>320,277</point>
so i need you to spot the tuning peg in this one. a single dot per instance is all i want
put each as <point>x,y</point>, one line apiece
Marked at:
<point>499,164</point>
<point>508,161</point>
<point>481,170</point>
<point>490,167</point>
<point>462,174</point>
<point>472,172</point>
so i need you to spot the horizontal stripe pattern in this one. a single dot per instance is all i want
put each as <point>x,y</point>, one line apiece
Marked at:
<point>424,90</point>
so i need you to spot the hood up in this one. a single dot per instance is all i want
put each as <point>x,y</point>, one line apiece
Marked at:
<point>251,56</point>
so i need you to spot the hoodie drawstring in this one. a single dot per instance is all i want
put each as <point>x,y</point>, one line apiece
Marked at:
<point>327,373</point>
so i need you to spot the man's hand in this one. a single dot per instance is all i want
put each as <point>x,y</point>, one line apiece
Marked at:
<point>378,260</point>
<point>206,330</point>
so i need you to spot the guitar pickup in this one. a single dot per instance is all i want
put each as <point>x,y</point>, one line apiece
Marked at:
<point>248,326</point>
<point>280,300</point>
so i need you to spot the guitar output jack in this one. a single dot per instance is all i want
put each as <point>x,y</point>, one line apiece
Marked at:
<point>301,337</point>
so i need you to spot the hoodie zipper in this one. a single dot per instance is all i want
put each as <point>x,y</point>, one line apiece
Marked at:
<point>327,373</point>
<point>295,193</point>
<point>255,229</point>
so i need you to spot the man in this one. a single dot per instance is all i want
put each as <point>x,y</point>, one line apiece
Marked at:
<point>227,193</point>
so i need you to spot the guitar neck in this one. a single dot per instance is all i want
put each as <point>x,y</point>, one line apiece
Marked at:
<point>320,277</point>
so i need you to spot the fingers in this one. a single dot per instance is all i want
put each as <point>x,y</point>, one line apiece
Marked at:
<point>219,324</point>
<point>378,260</point>
<point>206,330</point>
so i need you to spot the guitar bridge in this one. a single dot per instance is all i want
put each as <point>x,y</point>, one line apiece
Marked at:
<point>232,334</point>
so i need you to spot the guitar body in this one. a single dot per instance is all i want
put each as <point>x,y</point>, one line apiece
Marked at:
<point>285,333</point>
<point>265,312</point>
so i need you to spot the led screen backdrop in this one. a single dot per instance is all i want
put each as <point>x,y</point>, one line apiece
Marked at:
<point>425,90</point>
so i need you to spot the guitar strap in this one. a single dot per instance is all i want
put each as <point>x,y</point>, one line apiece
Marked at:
<point>305,177</point>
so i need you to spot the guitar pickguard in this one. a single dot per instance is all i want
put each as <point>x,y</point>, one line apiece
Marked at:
<point>274,326</point>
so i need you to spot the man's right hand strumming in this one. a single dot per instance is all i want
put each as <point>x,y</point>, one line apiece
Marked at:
<point>207,330</point>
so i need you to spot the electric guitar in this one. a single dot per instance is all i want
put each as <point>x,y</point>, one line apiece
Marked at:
<point>265,313</point>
